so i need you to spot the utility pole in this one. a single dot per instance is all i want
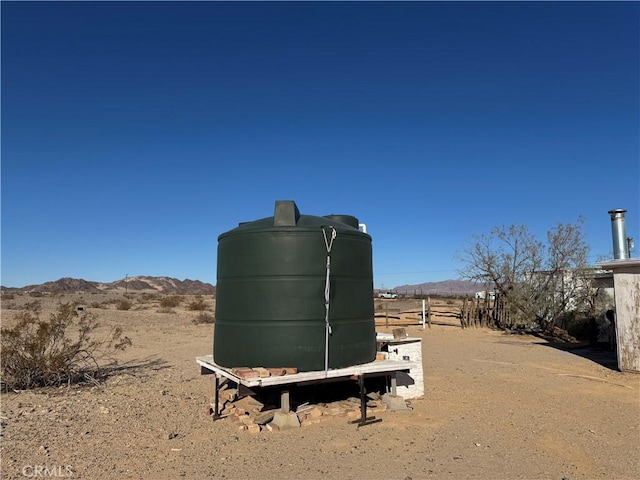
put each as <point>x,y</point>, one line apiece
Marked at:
<point>126,284</point>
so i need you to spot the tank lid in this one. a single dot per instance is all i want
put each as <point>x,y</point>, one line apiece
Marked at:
<point>346,219</point>
<point>286,214</point>
<point>287,218</point>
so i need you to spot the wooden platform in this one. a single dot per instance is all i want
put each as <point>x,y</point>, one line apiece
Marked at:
<point>380,367</point>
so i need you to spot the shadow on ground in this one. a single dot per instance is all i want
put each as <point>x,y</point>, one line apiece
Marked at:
<point>135,367</point>
<point>598,354</point>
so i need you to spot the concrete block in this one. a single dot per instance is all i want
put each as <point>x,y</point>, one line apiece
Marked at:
<point>394,402</point>
<point>286,420</point>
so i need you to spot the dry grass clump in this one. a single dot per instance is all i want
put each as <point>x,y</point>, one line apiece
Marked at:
<point>7,301</point>
<point>171,301</point>
<point>204,318</point>
<point>198,304</point>
<point>123,304</point>
<point>62,349</point>
<point>147,297</point>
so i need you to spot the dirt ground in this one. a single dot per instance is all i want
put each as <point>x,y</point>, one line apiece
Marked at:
<point>495,407</point>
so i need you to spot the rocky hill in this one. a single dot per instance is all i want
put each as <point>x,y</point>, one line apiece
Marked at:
<point>131,284</point>
<point>171,285</point>
<point>446,287</point>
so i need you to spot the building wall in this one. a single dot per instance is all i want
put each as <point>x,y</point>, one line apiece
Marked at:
<point>627,296</point>
<point>410,350</point>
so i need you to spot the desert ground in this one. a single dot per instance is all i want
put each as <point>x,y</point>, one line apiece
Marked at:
<point>496,406</point>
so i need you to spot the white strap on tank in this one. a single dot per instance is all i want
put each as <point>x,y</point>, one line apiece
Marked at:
<point>328,243</point>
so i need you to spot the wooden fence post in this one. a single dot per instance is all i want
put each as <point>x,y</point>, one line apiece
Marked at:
<point>463,313</point>
<point>476,311</point>
<point>386,314</point>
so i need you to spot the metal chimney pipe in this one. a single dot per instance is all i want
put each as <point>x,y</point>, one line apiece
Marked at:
<point>619,232</point>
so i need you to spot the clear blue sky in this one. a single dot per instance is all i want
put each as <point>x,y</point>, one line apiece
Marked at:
<point>133,134</point>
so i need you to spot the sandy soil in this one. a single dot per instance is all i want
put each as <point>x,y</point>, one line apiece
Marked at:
<point>495,407</point>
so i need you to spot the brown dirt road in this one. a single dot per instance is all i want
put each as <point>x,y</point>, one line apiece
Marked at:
<point>495,407</point>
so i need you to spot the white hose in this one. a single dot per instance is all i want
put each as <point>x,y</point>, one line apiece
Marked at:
<point>327,292</point>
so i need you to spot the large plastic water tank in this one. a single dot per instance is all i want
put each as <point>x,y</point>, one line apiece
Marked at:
<point>271,293</point>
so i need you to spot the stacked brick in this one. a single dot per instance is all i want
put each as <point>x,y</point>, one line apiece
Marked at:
<point>253,416</point>
<point>261,372</point>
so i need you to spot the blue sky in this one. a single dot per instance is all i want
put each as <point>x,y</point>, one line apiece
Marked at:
<point>135,133</point>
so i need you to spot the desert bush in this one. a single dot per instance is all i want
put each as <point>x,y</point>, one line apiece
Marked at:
<point>538,279</point>
<point>198,305</point>
<point>577,324</point>
<point>104,304</point>
<point>123,304</point>
<point>34,306</point>
<point>148,297</point>
<point>204,318</point>
<point>166,310</point>
<point>171,301</point>
<point>8,296</point>
<point>36,294</point>
<point>62,349</point>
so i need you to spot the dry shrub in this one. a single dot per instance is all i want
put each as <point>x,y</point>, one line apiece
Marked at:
<point>204,318</point>
<point>171,301</point>
<point>62,349</point>
<point>105,304</point>
<point>123,304</point>
<point>147,297</point>
<point>11,305</point>
<point>34,306</point>
<point>198,305</point>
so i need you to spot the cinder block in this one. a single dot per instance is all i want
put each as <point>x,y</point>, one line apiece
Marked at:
<point>286,420</point>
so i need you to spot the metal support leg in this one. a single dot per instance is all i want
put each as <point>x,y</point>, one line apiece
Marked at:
<point>216,397</point>
<point>363,400</point>
<point>363,406</point>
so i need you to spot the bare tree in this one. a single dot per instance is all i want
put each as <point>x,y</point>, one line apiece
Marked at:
<point>539,280</point>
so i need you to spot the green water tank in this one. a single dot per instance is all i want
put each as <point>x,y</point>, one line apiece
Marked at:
<point>271,293</point>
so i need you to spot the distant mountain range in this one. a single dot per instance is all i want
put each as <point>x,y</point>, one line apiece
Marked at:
<point>130,284</point>
<point>446,287</point>
<point>170,285</point>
